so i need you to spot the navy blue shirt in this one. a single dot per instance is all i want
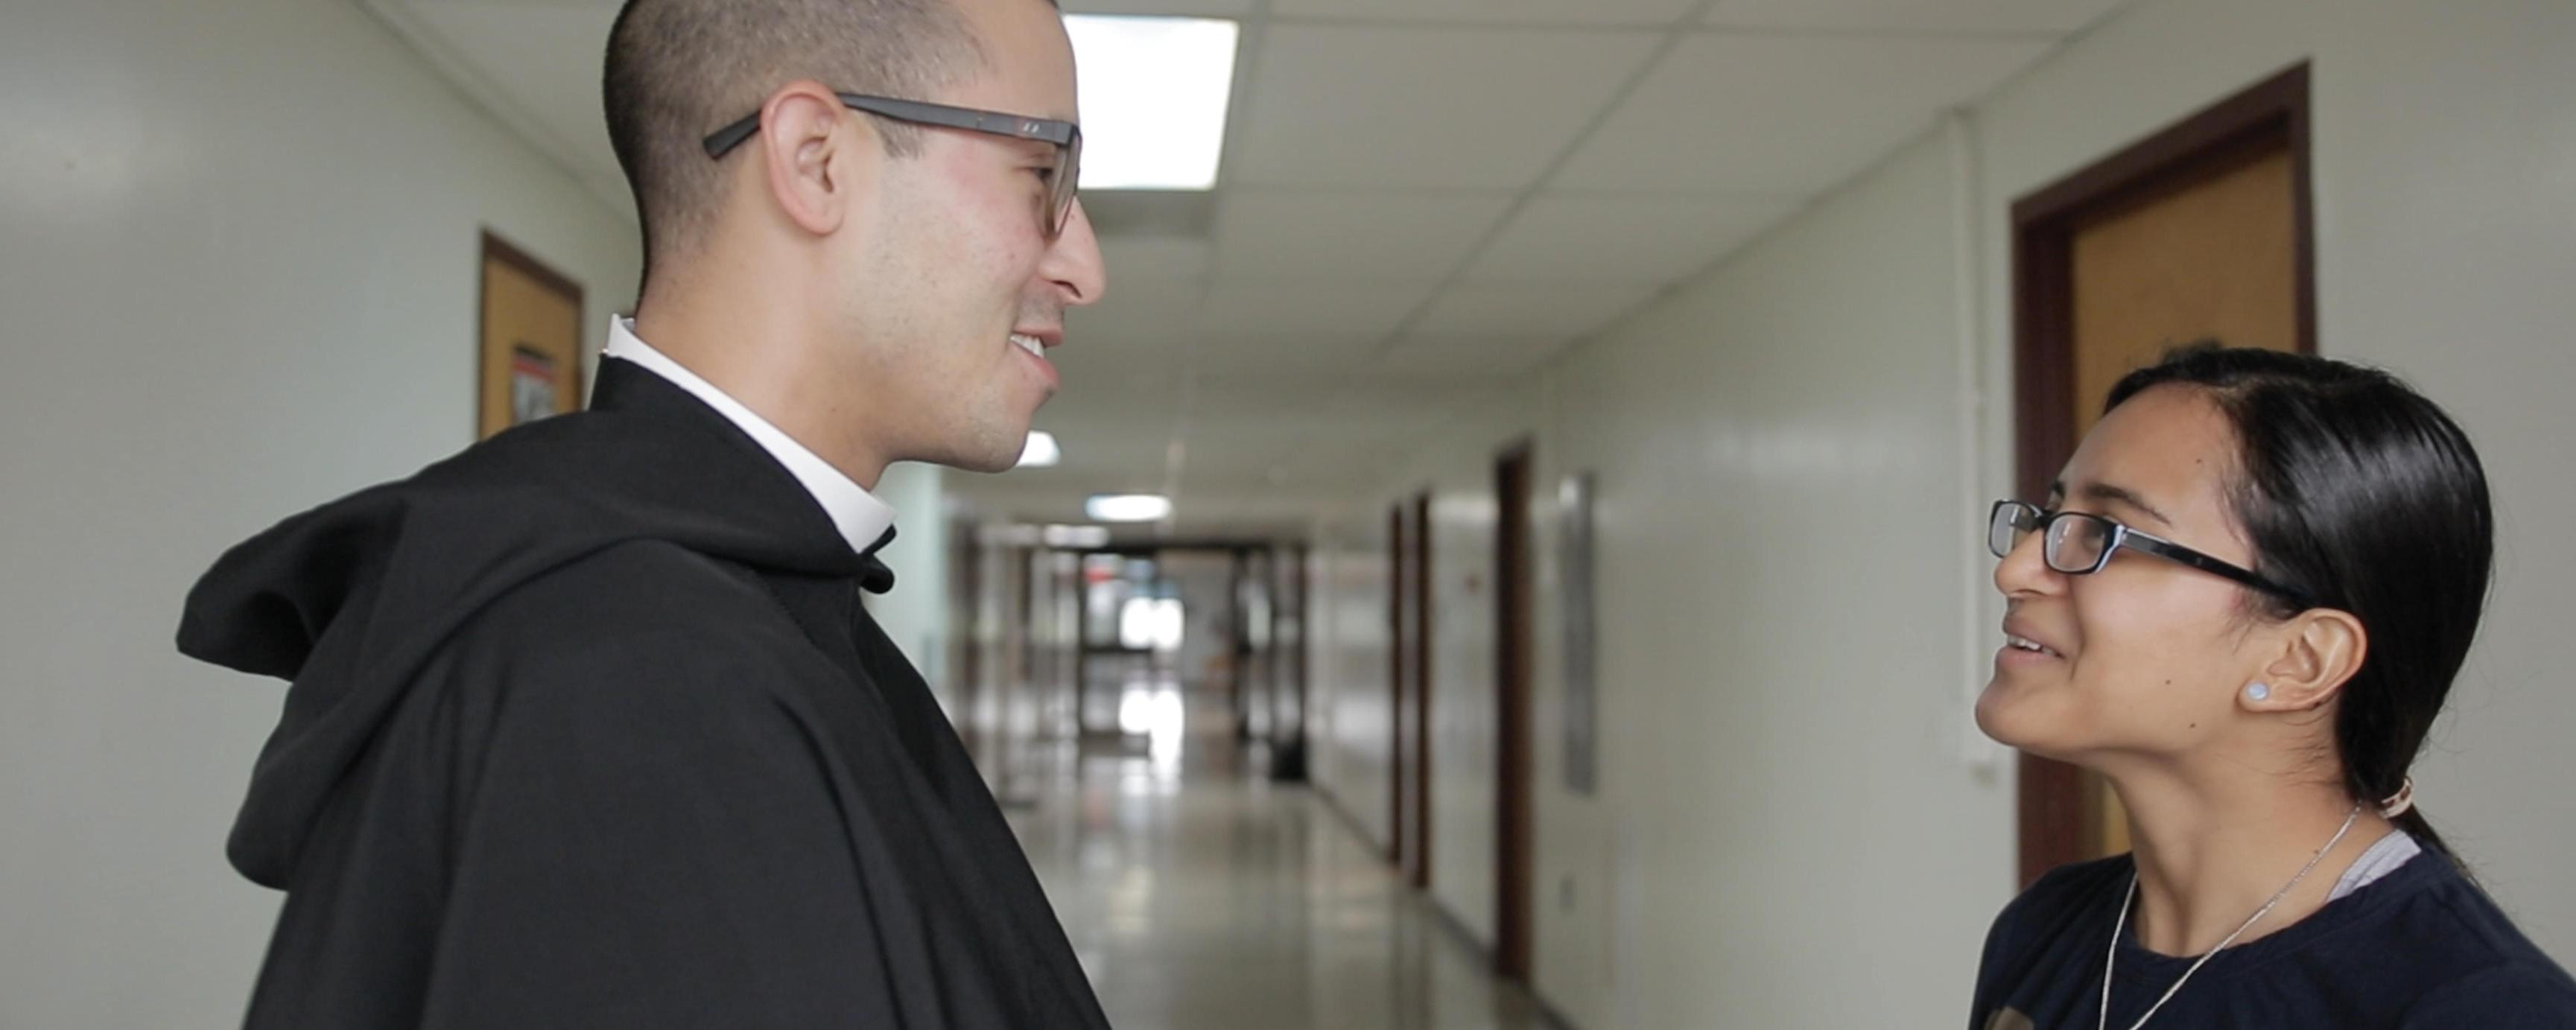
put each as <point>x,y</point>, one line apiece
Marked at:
<point>2421,947</point>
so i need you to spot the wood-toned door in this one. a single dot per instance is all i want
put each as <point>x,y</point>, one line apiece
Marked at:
<point>1515,816</point>
<point>2200,232</point>
<point>1418,860</point>
<point>530,340</point>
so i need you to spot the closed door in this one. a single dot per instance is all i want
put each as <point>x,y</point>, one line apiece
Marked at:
<point>1515,816</point>
<point>1418,609</point>
<point>2215,259</point>
<point>2199,232</point>
<point>531,340</point>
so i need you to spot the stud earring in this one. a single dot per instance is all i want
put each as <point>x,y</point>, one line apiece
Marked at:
<point>2257,692</point>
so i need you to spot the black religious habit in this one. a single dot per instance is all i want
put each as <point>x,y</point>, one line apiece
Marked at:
<point>588,729</point>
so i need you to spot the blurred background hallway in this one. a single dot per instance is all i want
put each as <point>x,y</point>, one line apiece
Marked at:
<point>1508,550</point>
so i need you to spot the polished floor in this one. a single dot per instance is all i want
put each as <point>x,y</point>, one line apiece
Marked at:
<point>1200,895</point>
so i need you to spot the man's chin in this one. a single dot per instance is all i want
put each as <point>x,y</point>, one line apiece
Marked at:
<point>999,452</point>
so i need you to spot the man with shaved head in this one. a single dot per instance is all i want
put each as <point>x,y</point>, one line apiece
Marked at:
<point>588,726</point>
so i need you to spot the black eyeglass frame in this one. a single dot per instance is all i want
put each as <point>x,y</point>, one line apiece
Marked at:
<point>2030,519</point>
<point>1062,180</point>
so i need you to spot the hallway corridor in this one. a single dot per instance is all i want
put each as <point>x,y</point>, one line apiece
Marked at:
<point>1200,895</point>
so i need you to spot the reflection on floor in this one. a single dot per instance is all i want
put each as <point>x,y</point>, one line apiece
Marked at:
<point>1200,895</point>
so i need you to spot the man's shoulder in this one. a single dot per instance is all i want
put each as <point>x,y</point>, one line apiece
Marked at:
<point>640,611</point>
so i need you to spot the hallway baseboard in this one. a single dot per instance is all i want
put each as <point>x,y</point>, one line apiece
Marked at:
<point>1333,803</point>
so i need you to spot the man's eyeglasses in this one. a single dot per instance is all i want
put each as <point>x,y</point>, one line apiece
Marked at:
<point>1067,137</point>
<point>2078,544</point>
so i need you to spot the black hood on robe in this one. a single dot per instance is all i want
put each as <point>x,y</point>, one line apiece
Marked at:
<point>349,600</point>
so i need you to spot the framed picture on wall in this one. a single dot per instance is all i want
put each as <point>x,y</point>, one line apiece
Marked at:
<point>528,335</point>
<point>1574,524</point>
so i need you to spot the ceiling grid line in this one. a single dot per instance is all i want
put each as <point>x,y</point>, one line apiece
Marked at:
<point>1645,69</point>
<point>1695,27</point>
<point>1255,26</point>
<point>1419,200</point>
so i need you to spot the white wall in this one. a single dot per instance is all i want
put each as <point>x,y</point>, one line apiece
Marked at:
<point>1458,472</point>
<point>1792,827</point>
<point>2445,192</point>
<point>1775,724</point>
<point>915,613</point>
<point>1783,806</point>
<point>1351,743</point>
<point>238,276</point>
<point>1464,719</point>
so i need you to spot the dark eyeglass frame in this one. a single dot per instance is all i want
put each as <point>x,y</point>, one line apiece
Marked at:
<point>2022,518</point>
<point>1062,180</point>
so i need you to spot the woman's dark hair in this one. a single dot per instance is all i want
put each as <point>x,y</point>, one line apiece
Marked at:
<point>2354,489</point>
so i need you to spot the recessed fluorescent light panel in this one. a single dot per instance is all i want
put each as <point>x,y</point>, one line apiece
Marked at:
<point>1040,452</point>
<point>1154,96</point>
<point>1079,538</point>
<point>1128,507</point>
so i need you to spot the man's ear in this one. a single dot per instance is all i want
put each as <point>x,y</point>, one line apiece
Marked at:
<point>817,160</point>
<point>2318,651</point>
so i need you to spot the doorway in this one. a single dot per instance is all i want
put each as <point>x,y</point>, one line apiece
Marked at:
<point>1418,611</point>
<point>1515,818</point>
<point>529,340</point>
<point>2201,231</point>
<point>1399,663</point>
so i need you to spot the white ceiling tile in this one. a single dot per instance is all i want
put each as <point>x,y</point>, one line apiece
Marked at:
<point>1099,422</point>
<point>1523,311</point>
<point>1221,393</point>
<point>1188,8</point>
<point>1154,257</point>
<point>1272,234</point>
<point>1488,12</point>
<point>1289,357</point>
<point>547,59</point>
<point>1137,315</point>
<point>1270,433</point>
<point>1371,398</point>
<point>609,6</point>
<point>2058,17</point>
<point>1785,114</point>
<point>1650,238</point>
<point>1115,388</point>
<point>1264,343</point>
<point>1464,359</point>
<point>1309,315</point>
<point>1414,107</point>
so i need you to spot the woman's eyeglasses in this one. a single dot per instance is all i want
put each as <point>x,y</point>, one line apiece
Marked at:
<point>2078,544</point>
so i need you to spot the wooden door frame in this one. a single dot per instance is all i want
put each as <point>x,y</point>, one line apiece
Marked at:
<point>966,601</point>
<point>1238,651</point>
<point>1395,668</point>
<point>1515,815</point>
<point>2269,115</point>
<point>1422,595</point>
<point>497,250</point>
<point>1289,666</point>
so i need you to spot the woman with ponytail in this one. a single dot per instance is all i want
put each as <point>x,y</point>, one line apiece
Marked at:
<point>2243,604</point>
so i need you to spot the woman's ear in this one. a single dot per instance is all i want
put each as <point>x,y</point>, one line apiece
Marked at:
<point>2317,652</point>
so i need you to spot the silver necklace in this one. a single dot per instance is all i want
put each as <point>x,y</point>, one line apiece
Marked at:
<point>2103,1022</point>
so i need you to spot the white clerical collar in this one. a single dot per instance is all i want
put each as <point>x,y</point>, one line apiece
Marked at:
<point>858,514</point>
